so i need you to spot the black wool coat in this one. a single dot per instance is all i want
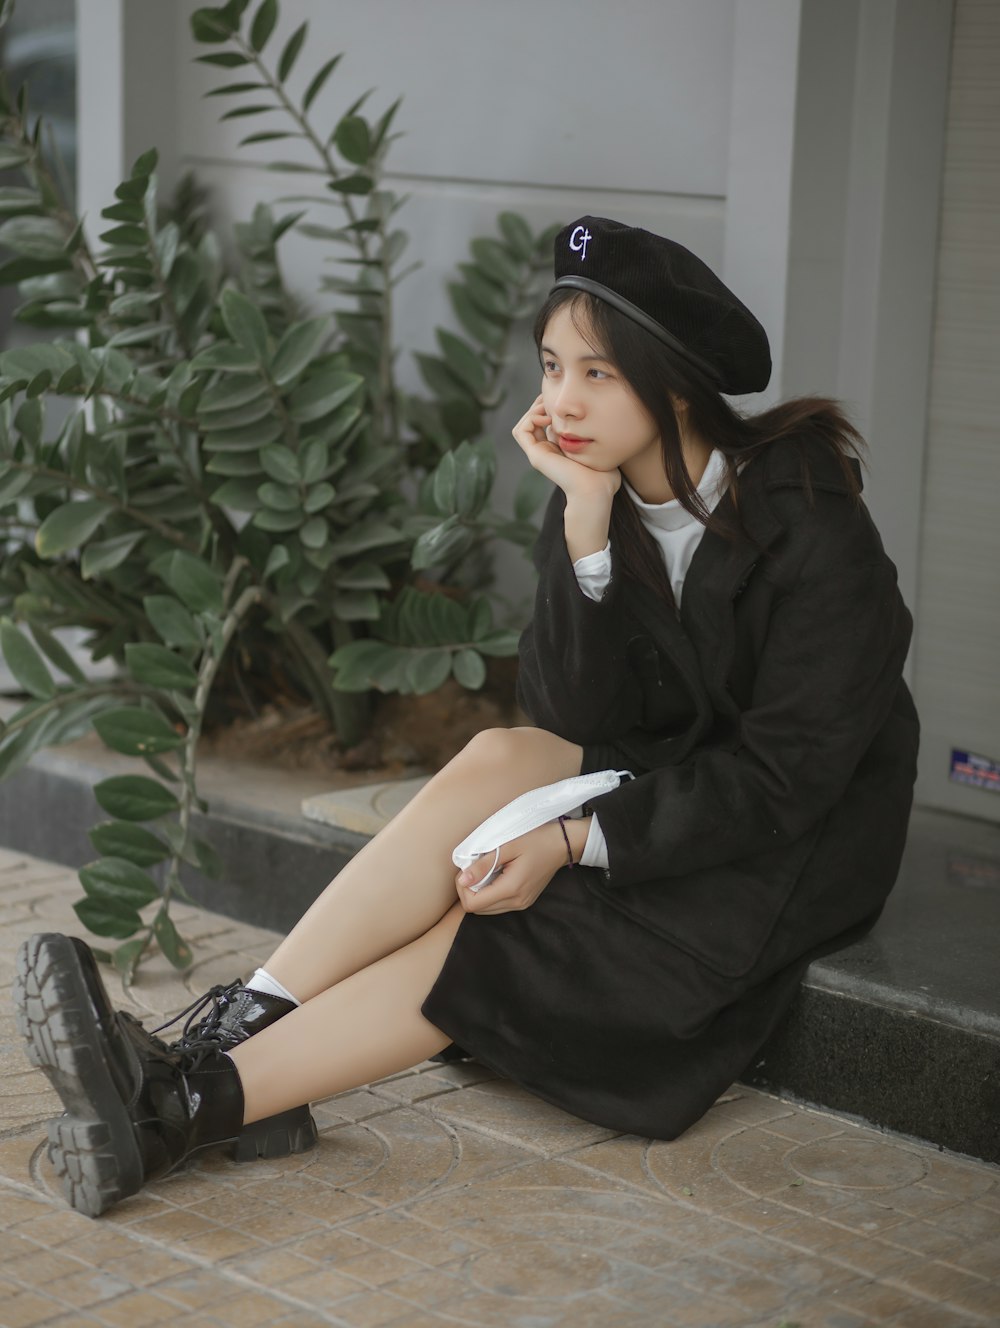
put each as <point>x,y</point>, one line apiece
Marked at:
<point>771,733</point>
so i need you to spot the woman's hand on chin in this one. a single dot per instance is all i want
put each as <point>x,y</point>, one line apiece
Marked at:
<point>579,482</point>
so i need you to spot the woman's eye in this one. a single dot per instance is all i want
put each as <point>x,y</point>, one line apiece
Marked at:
<point>549,366</point>
<point>598,374</point>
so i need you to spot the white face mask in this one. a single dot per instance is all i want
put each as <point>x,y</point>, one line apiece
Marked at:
<point>532,809</point>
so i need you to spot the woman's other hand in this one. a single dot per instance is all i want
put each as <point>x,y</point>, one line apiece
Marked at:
<point>529,863</point>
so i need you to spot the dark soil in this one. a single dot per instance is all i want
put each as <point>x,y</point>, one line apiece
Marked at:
<point>407,732</point>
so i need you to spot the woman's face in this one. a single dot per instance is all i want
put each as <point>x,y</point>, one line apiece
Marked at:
<point>596,418</point>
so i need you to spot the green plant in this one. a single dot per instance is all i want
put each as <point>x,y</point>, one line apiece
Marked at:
<point>196,472</point>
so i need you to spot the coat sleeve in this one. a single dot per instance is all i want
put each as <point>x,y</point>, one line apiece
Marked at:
<point>826,680</point>
<point>574,678</point>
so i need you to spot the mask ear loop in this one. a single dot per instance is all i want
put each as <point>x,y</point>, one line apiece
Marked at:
<point>493,872</point>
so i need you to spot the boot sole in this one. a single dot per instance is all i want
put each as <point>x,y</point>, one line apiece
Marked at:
<point>91,1146</point>
<point>289,1132</point>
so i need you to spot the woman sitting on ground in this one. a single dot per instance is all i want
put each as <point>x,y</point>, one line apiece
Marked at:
<point>716,616</point>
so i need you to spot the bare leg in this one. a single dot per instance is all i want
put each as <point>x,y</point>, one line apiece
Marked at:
<point>364,1028</point>
<point>403,881</point>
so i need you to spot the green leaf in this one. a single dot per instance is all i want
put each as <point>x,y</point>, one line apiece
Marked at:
<point>475,322</point>
<point>119,879</point>
<point>469,668</point>
<point>134,798</point>
<point>57,652</point>
<point>462,360</point>
<point>444,483</point>
<point>245,323</point>
<point>268,518</point>
<point>247,437</point>
<point>263,24</point>
<point>440,544</point>
<point>224,59</point>
<point>280,497</point>
<point>241,112</point>
<point>194,582</point>
<point>352,184</point>
<point>321,394</point>
<point>223,356</point>
<point>171,620</point>
<point>363,576</point>
<point>237,417</point>
<point>159,667</point>
<point>356,606</point>
<point>107,917</point>
<point>277,559</point>
<point>427,670</point>
<point>228,393</point>
<point>208,859</point>
<point>516,231</point>
<point>231,90</point>
<point>314,88</point>
<point>12,156</point>
<point>34,237</point>
<point>211,25</point>
<point>438,376</point>
<point>532,490</point>
<point>366,535</point>
<point>238,495</point>
<point>501,642</point>
<point>495,261</point>
<point>70,525</point>
<point>126,957</point>
<point>134,731</point>
<point>170,941</point>
<point>291,52</point>
<point>26,663</point>
<point>299,345</point>
<point>353,139</point>
<point>119,839</point>
<point>315,533</point>
<point>319,497</point>
<point>280,463</point>
<point>104,555</point>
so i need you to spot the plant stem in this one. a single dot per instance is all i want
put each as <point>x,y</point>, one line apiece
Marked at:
<point>161,527</point>
<point>211,660</point>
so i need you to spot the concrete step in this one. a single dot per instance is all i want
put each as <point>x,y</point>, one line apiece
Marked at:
<point>901,1029</point>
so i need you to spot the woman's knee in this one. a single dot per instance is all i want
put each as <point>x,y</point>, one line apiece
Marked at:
<point>498,748</point>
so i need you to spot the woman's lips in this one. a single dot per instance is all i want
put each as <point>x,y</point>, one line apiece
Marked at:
<point>571,443</point>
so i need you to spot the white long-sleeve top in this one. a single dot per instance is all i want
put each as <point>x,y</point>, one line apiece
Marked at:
<point>678,534</point>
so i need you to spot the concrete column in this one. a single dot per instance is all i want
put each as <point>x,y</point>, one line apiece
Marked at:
<point>760,173</point>
<point>870,119</point>
<point>126,80</point>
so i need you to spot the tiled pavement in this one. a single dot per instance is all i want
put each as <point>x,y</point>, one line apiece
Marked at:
<point>446,1196</point>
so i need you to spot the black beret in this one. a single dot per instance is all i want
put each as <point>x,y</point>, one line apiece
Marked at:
<point>671,293</point>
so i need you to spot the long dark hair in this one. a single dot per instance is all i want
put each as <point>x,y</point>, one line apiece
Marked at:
<point>655,374</point>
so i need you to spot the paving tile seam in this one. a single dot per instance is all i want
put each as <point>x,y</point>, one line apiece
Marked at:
<point>203,1264</point>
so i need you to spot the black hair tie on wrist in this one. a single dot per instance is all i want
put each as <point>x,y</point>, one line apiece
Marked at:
<point>569,852</point>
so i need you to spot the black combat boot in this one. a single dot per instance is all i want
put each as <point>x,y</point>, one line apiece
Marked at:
<point>238,1013</point>
<point>133,1112</point>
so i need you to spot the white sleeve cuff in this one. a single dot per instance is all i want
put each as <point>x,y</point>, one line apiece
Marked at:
<point>593,572</point>
<point>595,851</point>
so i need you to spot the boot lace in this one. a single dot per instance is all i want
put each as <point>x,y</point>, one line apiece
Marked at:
<point>200,1037</point>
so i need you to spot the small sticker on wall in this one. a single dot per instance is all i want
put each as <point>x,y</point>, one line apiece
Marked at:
<point>979,771</point>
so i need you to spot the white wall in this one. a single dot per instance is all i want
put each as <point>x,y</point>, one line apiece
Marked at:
<point>958,609</point>
<point>794,144</point>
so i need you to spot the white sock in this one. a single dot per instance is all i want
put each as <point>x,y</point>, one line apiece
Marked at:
<point>263,982</point>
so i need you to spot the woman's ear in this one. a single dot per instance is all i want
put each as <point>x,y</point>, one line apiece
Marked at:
<point>679,404</point>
